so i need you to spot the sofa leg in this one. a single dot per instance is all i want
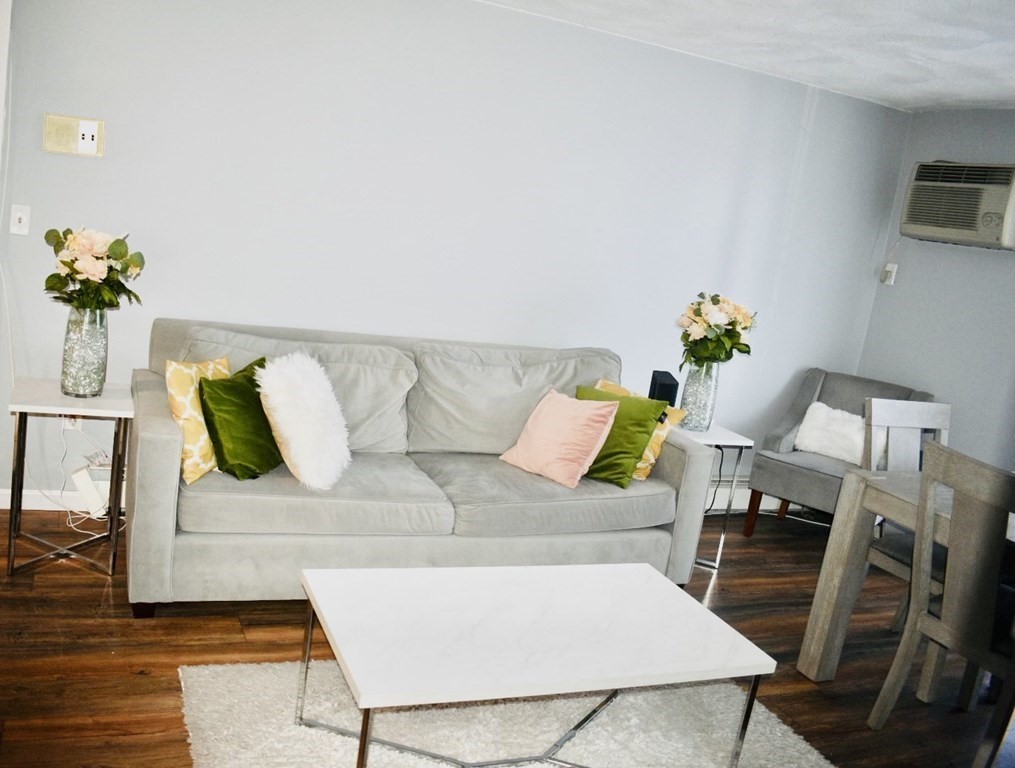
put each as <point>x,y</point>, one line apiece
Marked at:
<point>752,512</point>
<point>783,508</point>
<point>143,610</point>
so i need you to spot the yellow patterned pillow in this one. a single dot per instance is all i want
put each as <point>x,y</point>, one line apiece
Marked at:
<point>655,443</point>
<point>185,403</point>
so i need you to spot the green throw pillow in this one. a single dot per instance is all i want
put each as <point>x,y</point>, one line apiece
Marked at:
<point>632,428</point>
<point>239,430</point>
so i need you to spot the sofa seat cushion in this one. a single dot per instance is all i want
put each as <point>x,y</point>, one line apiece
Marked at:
<point>802,477</point>
<point>493,498</point>
<point>379,493</point>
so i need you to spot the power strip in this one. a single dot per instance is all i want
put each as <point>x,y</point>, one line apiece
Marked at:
<point>99,460</point>
<point>95,503</point>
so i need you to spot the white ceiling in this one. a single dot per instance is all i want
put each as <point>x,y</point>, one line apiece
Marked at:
<point>908,54</point>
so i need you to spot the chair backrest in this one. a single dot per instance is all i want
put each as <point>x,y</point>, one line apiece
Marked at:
<point>983,498</point>
<point>901,426</point>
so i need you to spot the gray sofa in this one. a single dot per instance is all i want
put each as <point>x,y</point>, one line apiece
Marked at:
<point>427,421</point>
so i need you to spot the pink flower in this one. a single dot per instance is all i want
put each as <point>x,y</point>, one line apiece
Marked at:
<point>91,268</point>
<point>89,242</point>
<point>696,331</point>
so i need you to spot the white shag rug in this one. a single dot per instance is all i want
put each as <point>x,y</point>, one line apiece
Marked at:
<point>244,715</point>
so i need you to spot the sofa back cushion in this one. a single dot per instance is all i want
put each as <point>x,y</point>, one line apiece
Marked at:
<point>370,380</point>
<point>476,399</point>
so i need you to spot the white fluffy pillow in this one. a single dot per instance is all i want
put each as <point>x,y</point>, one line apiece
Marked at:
<point>305,418</point>
<point>834,433</point>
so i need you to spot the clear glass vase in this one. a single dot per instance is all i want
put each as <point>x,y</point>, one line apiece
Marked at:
<point>698,399</point>
<point>85,345</point>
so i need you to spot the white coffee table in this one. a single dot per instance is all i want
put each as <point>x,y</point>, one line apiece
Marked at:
<point>412,636</point>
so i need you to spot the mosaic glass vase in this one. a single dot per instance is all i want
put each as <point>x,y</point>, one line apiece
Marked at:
<point>85,344</point>
<point>698,399</point>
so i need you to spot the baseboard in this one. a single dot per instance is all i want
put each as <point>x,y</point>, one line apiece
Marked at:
<point>740,498</point>
<point>50,501</point>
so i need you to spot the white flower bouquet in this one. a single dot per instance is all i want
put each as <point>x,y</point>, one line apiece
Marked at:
<point>714,328</point>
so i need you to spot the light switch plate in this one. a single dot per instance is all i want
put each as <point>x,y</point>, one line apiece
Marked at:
<point>21,216</point>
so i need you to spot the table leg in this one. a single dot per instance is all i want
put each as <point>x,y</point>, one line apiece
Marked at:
<point>842,574</point>
<point>17,487</point>
<point>714,564</point>
<point>364,740</point>
<point>744,721</point>
<point>117,465</point>
<point>308,641</point>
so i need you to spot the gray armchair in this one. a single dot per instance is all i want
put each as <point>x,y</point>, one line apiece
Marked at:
<point>810,479</point>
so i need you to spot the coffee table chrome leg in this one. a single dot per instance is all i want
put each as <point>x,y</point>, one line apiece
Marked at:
<point>744,720</point>
<point>364,740</point>
<point>308,639</point>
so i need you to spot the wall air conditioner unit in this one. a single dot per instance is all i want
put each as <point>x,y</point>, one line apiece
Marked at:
<point>963,204</point>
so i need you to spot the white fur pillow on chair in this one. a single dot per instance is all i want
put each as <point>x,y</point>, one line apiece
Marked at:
<point>834,433</point>
<point>305,418</point>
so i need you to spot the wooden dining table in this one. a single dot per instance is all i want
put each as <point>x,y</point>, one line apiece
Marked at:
<point>864,495</point>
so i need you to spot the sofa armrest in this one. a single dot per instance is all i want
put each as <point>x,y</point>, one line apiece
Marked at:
<point>153,483</point>
<point>686,465</point>
<point>781,439</point>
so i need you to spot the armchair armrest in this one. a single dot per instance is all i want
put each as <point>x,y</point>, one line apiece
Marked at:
<point>781,439</point>
<point>687,466</point>
<point>153,482</point>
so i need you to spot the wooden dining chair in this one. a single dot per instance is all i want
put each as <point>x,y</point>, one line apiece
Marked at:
<point>965,617</point>
<point>893,440</point>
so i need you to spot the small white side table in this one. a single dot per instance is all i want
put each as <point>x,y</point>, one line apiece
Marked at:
<point>42,397</point>
<point>721,438</point>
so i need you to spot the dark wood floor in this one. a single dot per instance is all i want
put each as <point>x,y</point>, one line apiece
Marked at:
<point>84,684</point>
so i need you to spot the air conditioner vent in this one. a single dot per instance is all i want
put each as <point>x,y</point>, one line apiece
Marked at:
<point>956,207</point>
<point>949,173</point>
<point>961,204</point>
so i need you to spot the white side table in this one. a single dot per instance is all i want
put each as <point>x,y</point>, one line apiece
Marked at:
<point>721,438</point>
<point>42,397</point>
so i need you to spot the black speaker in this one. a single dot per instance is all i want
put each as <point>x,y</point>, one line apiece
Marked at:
<point>663,387</point>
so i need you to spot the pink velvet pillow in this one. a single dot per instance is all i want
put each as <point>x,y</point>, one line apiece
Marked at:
<point>562,437</point>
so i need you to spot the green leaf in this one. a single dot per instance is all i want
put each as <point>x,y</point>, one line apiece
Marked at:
<point>57,282</point>
<point>108,295</point>
<point>118,249</point>
<point>136,259</point>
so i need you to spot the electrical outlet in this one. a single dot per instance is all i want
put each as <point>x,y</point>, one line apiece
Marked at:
<point>84,137</point>
<point>88,137</point>
<point>72,423</point>
<point>888,274</point>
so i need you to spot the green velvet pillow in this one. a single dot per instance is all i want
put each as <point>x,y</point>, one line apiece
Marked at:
<point>632,428</point>
<point>239,430</point>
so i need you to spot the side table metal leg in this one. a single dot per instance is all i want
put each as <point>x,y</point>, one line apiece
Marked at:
<point>17,487</point>
<point>116,468</point>
<point>729,505</point>
<point>744,721</point>
<point>713,565</point>
<point>364,740</point>
<point>308,640</point>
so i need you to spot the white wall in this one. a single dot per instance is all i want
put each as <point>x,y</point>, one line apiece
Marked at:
<point>444,168</point>
<point>948,324</point>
